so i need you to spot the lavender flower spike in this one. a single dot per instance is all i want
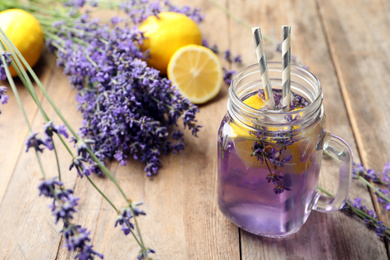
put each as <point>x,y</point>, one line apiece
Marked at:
<point>34,142</point>
<point>3,97</point>
<point>77,238</point>
<point>386,173</point>
<point>63,206</point>
<point>125,215</point>
<point>8,59</point>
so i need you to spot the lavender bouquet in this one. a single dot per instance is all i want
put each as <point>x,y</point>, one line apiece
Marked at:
<point>128,109</point>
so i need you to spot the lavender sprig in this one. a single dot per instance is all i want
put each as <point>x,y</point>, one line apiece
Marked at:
<point>64,202</point>
<point>31,142</point>
<point>369,174</point>
<point>271,155</point>
<point>366,175</point>
<point>63,206</point>
<point>268,154</point>
<point>369,217</point>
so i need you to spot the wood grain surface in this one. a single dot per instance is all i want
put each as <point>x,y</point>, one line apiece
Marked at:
<point>344,43</point>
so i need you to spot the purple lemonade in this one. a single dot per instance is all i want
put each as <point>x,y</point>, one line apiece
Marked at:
<point>267,175</point>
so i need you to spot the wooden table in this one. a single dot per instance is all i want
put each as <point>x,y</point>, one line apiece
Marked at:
<point>346,44</point>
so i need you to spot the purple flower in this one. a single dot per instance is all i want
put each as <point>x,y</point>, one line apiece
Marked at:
<point>35,142</point>
<point>63,206</point>
<point>279,188</point>
<point>205,43</point>
<point>228,56</point>
<point>296,102</point>
<point>77,162</point>
<point>383,201</point>
<point>125,215</point>
<point>8,59</point>
<point>3,97</point>
<point>228,75</point>
<point>386,173</point>
<point>267,154</point>
<point>380,229</point>
<point>3,90</point>
<point>142,254</point>
<point>115,20</point>
<point>49,129</point>
<point>357,203</point>
<point>372,175</point>
<point>238,59</point>
<point>274,178</point>
<point>75,3</point>
<point>48,186</point>
<point>193,13</point>
<point>360,170</point>
<point>214,49</point>
<point>76,238</point>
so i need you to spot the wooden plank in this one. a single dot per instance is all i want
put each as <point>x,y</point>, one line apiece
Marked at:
<point>330,236</point>
<point>12,124</point>
<point>359,39</point>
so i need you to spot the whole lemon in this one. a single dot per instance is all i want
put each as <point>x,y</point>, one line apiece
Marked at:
<point>25,32</point>
<point>166,34</point>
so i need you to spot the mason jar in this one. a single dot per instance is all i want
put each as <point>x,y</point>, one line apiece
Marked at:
<point>269,160</point>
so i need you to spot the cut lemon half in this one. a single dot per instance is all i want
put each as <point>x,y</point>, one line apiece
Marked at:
<point>197,72</point>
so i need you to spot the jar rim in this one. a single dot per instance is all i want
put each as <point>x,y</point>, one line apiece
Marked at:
<point>297,72</point>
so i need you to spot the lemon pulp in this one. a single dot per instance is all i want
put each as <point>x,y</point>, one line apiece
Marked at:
<point>197,73</point>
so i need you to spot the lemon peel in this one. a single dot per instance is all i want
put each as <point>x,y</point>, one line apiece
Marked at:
<point>25,32</point>
<point>166,34</point>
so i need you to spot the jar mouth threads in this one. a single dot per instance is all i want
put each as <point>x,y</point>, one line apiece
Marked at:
<point>247,82</point>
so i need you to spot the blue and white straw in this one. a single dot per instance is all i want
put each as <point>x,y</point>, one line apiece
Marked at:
<point>269,97</point>
<point>286,73</point>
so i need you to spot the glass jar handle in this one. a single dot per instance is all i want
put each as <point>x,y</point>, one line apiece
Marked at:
<point>341,150</point>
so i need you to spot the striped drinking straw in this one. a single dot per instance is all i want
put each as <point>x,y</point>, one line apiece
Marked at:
<point>286,74</point>
<point>269,97</point>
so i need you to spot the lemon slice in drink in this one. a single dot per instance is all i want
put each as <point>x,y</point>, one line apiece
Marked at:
<point>197,72</point>
<point>244,146</point>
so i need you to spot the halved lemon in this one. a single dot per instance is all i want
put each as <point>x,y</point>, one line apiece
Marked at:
<point>197,72</point>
